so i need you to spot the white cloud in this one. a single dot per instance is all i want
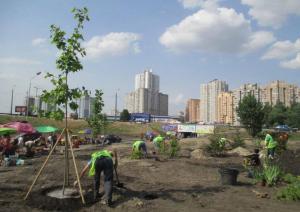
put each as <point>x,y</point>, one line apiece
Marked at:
<point>292,64</point>
<point>222,30</point>
<point>287,52</point>
<point>282,49</point>
<point>17,61</point>
<point>272,12</point>
<point>192,4</point>
<point>112,44</point>
<point>39,41</point>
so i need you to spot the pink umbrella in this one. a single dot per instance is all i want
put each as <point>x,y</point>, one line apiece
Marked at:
<point>22,127</point>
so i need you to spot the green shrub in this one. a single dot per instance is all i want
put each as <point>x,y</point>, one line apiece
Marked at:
<point>216,147</point>
<point>289,178</point>
<point>290,192</point>
<point>174,147</point>
<point>272,174</point>
<point>237,141</point>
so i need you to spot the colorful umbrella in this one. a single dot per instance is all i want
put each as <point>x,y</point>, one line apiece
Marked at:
<point>22,127</point>
<point>85,131</point>
<point>46,129</point>
<point>6,130</point>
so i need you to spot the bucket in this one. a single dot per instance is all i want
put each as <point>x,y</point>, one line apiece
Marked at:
<point>228,176</point>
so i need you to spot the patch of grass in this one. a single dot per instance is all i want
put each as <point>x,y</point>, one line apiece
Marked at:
<point>290,192</point>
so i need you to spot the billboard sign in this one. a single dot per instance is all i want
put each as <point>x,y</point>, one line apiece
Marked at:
<point>205,129</point>
<point>20,109</point>
<point>191,128</point>
<point>140,117</point>
<point>170,127</point>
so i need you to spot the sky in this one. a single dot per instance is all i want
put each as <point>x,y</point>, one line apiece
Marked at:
<point>185,42</point>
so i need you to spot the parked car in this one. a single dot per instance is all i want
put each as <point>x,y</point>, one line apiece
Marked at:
<point>283,128</point>
<point>109,139</point>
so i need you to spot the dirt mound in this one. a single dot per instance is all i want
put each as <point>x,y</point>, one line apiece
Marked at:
<point>199,154</point>
<point>239,151</point>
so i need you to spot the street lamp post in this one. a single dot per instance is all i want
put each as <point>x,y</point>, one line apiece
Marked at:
<point>12,100</point>
<point>27,110</point>
<point>116,104</point>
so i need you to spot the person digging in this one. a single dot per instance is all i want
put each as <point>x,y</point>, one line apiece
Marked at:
<point>271,145</point>
<point>139,148</point>
<point>102,161</point>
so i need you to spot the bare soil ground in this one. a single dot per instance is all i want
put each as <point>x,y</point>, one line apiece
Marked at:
<point>180,184</point>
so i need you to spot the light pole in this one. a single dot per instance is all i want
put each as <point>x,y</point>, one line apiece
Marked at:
<point>116,104</point>
<point>27,110</point>
<point>12,99</point>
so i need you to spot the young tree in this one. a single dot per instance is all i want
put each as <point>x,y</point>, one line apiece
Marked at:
<point>251,114</point>
<point>61,95</point>
<point>67,62</point>
<point>125,116</point>
<point>98,120</point>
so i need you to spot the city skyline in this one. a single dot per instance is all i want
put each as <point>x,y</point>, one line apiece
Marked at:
<point>174,38</point>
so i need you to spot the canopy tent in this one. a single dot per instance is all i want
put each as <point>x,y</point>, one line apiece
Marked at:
<point>5,130</point>
<point>21,127</point>
<point>46,129</point>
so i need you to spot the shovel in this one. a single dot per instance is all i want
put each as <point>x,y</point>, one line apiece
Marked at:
<point>120,185</point>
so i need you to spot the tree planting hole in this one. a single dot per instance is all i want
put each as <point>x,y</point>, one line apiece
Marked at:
<point>150,196</point>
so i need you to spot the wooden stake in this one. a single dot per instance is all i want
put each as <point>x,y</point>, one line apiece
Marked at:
<point>76,171</point>
<point>44,164</point>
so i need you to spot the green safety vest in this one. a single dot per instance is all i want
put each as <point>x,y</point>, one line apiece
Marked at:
<point>158,139</point>
<point>95,156</point>
<point>270,143</point>
<point>136,145</point>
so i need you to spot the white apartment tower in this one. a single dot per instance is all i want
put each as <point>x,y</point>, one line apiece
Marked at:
<point>146,98</point>
<point>209,99</point>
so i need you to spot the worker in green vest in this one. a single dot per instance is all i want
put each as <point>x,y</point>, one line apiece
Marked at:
<point>271,145</point>
<point>139,147</point>
<point>101,161</point>
<point>158,142</point>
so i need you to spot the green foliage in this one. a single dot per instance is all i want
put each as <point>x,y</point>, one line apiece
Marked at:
<point>271,174</point>
<point>267,110</point>
<point>293,115</point>
<point>174,147</point>
<point>136,155</point>
<point>258,175</point>
<point>290,192</point>
<point>98,120</point>
<point>124,116</point>
<point>237,140</point>
<point>251,114</point>
<point>67,62</point>
<point>216,147</point>
<point>278,115</point>
<point>289,178</point>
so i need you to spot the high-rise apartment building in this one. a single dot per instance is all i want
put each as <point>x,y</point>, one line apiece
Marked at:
<point>85,106</point>
<point>147,80</point>
<point>192,111</point>
<point>146,98</point>
<point>209,100</point>
<point>225,108</point>
<point>240,93</point>
<point>279,92</point>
